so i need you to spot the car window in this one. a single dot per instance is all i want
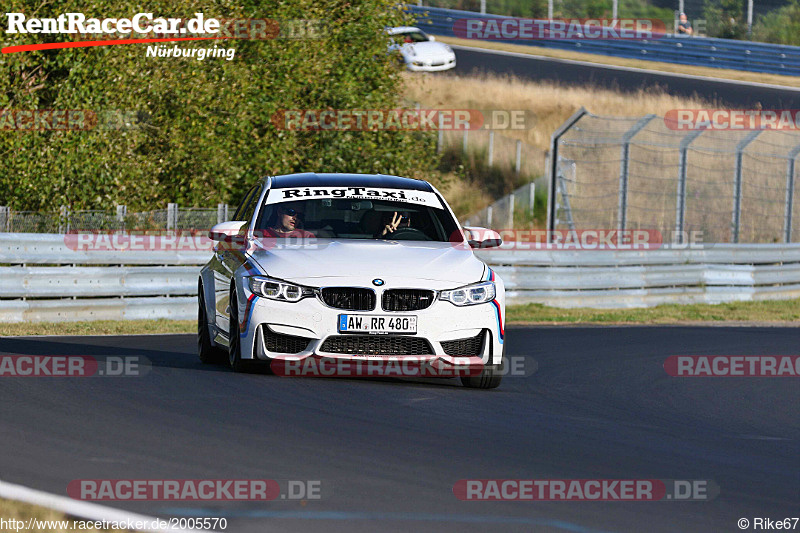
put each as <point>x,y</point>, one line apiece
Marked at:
<point>366,219</point>
<point>410,37</point>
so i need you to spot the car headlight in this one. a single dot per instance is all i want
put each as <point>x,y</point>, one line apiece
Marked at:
<point>477,293</point>
<point>280,290</point>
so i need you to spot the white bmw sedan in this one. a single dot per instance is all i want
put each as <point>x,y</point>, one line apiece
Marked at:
<point>420,51</point>
<point>350,267</point>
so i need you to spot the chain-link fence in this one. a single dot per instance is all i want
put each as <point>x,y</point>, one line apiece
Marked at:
<point>516,210</point>
<point>66,220</point>
<point>638,173</point>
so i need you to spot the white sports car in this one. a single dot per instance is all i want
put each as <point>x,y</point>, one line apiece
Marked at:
<point>350,267</point>
<point>420,51</point>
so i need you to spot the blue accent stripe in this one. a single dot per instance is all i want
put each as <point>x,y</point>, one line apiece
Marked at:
<point>496,305</point>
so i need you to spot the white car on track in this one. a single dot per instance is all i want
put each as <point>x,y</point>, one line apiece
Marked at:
<point>350,266</point>
<point>420,51</point>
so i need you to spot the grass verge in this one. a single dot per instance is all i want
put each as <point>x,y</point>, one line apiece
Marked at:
<point>778,312</point>
<point>727,74</point>
<point>13,510</point>
<point>100,327</point>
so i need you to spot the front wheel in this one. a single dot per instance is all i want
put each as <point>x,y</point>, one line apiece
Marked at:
<point>235,345</point>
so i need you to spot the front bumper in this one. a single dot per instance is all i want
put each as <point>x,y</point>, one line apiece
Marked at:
<point>434,65</point>
<point>310,328</point>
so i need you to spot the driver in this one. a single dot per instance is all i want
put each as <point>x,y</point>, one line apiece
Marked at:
<point>288,219</point>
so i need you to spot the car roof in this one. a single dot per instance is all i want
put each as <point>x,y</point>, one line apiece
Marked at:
<point>403,29</point>
<point>312,179</point>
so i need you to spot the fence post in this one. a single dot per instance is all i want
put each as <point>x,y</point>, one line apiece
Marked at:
<point>221,215</point>
<point>440,137</point>
<point>737,185</point>
<point>531,197</point>
<point>491,147</point>
<point>466,141</point>
<point>122,211</point>
<point>624,165</point>
<point>4,218</point>
<point>511,211</point>
<point>552,169</point>
<point>63,219</point>
<point>483,7</point>
<point>489,217</point>
<point>787,214</point>
<point>680,207</point>
<point>172,216</point>
<point>518,164</point>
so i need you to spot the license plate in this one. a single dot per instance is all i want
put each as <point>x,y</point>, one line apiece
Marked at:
<point>377,324</point>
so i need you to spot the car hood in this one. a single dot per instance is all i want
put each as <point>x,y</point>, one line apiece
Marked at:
<point>433,265</point>
<point>426,50</point>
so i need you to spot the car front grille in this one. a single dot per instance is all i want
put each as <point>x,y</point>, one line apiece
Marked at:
<point>469,346</point>
<point>349,298</point>
<point>406,299</point>
<point>376,345</point>
<point>280,343</point>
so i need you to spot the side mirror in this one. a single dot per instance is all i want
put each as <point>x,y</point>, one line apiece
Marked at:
<point>431,38</point>
<point>226,231</point>
<point>482,237</point>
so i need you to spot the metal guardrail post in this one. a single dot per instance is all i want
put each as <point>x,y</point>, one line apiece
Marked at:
<point>172,216</point>
<point>737,185</point>
<point>5,219</point>
<point>680,207</point>
<point>622,208</point>
<point>518,164</point>
<point>789,206</point>
<point>553,168</point>
<point>491,148</point>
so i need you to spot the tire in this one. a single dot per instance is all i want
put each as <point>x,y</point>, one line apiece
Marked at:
<point>206,351</point>
<point>489,378</point>
<point>235,345</point>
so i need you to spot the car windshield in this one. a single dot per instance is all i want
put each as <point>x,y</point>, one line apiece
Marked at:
<point>330,218</point>
<point>410,37</point>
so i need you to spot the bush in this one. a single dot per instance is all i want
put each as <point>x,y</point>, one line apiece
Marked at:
<point>208,134</point>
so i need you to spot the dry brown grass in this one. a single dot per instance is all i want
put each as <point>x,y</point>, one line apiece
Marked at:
<point>550,103</point>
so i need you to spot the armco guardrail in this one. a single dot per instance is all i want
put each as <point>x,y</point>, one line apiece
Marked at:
<point>630,278</point>
<point>140,285</point>
<point>699,51</point>
<point>96,285</point>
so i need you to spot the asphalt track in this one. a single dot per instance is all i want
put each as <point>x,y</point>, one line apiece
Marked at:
<point>388,452</point>
<point>730,94</point>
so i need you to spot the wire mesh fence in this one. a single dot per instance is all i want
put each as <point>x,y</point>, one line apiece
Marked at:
<point>515,210</point>
<point>66,220</point>
<point>638,173</point>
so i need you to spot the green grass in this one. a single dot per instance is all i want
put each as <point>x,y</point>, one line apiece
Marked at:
<point>772,311</point>
<point>100,327</point>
